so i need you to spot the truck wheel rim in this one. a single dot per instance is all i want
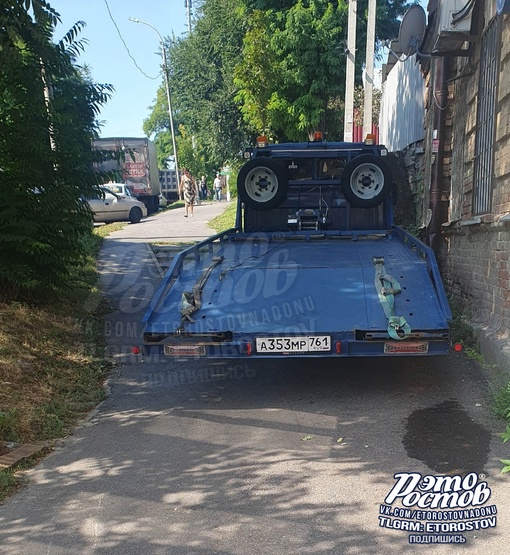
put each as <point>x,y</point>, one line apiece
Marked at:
<point>367,181</point>
<point>261,184</point>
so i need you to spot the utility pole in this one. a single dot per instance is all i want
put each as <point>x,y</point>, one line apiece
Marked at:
<point>48,97</point>
<point>188,4</point>
<point>167,88</point>
<point>349,71</point>
<point>369,68</point>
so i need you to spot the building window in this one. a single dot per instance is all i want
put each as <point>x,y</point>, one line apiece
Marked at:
<point>485,118</point>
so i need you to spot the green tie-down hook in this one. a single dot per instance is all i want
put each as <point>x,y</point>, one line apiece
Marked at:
<point>387,287</point>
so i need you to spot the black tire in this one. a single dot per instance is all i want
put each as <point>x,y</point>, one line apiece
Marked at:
<point>366,181</point>
<point>262,183</point>
<point>135,215</point>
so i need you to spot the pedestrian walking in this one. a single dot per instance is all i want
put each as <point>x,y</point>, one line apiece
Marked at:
<point>188,189</point>
<point>217,187</point>
<point>203,188</point>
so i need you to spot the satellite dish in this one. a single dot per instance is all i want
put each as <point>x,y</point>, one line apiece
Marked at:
<point>503,6</point>
<point>412,30</point>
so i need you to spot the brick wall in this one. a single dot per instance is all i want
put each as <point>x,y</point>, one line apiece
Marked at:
<point>475,260</point>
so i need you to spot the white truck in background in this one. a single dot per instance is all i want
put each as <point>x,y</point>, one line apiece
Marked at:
<point>138,167</point>
<point>169,185</point>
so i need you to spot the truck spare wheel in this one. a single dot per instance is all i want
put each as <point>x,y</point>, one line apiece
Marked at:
<point>366,181</point>
<point>262,183</point>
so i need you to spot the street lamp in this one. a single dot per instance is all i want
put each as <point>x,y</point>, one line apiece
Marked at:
<point>167,87</point>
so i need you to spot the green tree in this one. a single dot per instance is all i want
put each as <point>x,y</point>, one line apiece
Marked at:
<point>291,76</point>
<point>47,119</point>
<point>304,71</point>
<point>202,86</point>
<point>258,65</point>
<point>359,104</point>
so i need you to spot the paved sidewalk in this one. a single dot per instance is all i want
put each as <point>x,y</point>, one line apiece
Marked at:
<point>171,226</point>
<point>130,273</point>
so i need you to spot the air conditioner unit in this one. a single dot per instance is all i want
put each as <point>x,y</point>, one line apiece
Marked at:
<point>453,25</point>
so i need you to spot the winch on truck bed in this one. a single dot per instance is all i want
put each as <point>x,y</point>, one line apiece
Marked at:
<point>314,266</point>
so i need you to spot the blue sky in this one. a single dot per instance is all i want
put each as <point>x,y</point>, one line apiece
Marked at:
<point>109,61</point>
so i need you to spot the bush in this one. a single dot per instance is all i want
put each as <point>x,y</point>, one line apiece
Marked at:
<point>47,120</point>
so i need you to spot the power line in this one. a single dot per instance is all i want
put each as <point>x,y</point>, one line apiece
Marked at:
<point>126,46</point>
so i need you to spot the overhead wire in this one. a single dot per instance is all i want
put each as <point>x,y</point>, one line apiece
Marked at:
<point>126,46</point>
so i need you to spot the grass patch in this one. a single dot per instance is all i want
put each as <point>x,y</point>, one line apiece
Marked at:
<point>51,361</point>
<point>501,404</point>
<point>106,229</point>
<point>173,206</point>
<point>460,329</point>
<point>12,478</point>
<point>462,332</point>
<point>52,366</point>
<point>8,483</point>
<point>226,220</point>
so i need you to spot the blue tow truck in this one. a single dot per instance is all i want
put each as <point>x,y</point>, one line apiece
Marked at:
<point>315,267</point>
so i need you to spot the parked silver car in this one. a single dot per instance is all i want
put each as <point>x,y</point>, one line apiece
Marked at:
<point>111,207</point>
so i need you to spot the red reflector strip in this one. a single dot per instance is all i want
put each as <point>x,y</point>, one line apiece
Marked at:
<point>406,348</point>
<point>184,350</point>
<point>338,347</point>
<point>248,347</point>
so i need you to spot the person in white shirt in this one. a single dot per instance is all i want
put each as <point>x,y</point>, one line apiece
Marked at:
<point>217,187</point>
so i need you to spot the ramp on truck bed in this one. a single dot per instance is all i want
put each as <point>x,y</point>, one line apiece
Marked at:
<point>314,267</point>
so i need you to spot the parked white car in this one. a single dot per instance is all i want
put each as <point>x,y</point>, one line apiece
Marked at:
<point>111,207</point>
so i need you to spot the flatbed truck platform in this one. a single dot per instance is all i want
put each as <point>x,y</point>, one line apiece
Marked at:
<point>313,274</point>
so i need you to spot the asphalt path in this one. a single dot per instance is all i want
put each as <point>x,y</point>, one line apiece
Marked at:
<point>261,457</point>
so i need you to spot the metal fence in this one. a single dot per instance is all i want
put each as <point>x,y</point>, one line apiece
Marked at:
<point>485,120</point>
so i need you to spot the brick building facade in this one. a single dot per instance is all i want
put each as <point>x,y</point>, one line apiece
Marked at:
<point>474,182</point>
<point>462,163</point>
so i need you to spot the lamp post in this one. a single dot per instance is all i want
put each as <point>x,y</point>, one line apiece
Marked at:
<point>167,87</point>
<point>349,71</point>
<point>369,67</point>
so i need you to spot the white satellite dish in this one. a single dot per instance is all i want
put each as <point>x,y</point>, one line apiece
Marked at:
<point>412,30</point>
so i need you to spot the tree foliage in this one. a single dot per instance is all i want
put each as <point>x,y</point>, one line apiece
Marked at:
<point>202,88</point>
<point>252,66</point>
<point>359,104</point>
<point>48,113</point>
<point>304,72</point>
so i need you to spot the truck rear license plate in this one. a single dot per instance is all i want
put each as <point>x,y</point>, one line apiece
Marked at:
<point>184,350</point>
<point>405,348</point>
<point>313,343</point>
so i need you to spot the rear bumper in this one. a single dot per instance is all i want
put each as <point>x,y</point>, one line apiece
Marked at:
<point>245,346</point>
